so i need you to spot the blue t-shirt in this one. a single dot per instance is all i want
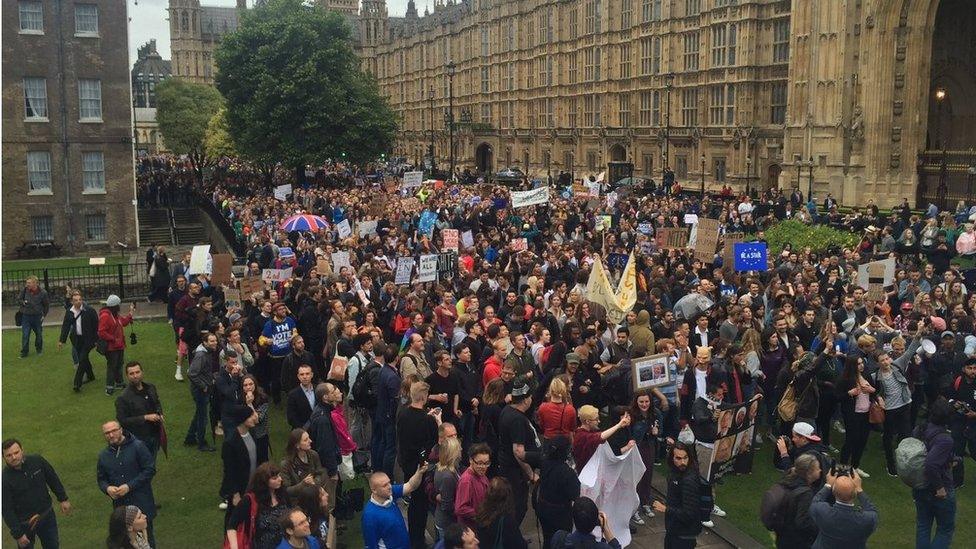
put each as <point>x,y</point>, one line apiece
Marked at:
<point>280,335</point>
<point>385,523</point>
<point>312,543</point>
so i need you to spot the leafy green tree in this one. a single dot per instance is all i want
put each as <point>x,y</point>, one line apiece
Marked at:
<point>216,139</point>
<point>184,111</point>
<point>295,91</point>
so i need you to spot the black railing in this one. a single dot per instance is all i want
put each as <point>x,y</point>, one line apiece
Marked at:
<point>96,282</point>
<point>219,221</point>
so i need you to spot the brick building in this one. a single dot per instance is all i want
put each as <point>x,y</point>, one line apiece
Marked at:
<point>67,142</point>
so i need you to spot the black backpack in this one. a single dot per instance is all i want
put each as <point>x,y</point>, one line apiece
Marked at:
<point>364,390</point>
<point>776,508</point>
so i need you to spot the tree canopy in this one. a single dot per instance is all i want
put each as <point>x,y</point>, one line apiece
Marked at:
<point>184,111</point>
<point>295,91</point>
<point>216,139</point>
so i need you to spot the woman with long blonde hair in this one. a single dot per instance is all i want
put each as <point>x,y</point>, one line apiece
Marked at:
<point>445,482</point>
<point>556,415</point>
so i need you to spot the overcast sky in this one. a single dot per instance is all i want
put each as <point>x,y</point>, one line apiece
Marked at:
<point>148,20</point>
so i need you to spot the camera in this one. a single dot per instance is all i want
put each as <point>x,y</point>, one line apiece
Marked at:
<point>960,406</point>
<point>839,470</point>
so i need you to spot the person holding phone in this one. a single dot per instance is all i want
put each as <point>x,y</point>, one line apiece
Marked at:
<point>586,517</point>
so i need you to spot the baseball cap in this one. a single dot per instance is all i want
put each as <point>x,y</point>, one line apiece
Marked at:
<point>806,431</point>
<point>937,323</point>
<point>521,391</point>
<point>947,333</point>
<point>573,358</point>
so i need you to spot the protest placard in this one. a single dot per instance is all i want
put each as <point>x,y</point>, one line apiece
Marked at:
<point>731,239</point>
<point>404,269</point>
<point>520,245</point>
<point>344,230</point>
<point>222,264</point>
<point>750,256</point>
<point>367,228</point>
<point>691,219</point>
<point>377,205</point>
<point>450,239</point>
<point>874,275</point>
<point>199,260</point>
<point>650,371</point>
<point>340,259</point>
<point>412,180</point>
<point>672,238</point>
<point>706,243</point>
<point>276,275</point>
<point>427,269</point>
<point>532,197</point>
<point>447,264</point>
<point>251,285</point>
<point>733,442</point>
<point>603,223</point>
<point>281,192</point>
<point>467,239</point>
<point>323,267</point>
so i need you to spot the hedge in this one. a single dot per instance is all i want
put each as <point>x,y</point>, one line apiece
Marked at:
<point>817,237</point>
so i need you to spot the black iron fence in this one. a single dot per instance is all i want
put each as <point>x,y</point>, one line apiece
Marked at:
<point>945,177</point>
<point>96,282</point>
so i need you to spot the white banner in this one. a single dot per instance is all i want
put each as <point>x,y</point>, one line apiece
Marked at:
<point>367,228</point>
<point>282,191</point>
<point>200,260</point>
<point>412,179</point>
<point>534,197</point>
<point>344,229</point>
<point>611,482</point>
<point>427,270</point>
<point>276,275</point>
<point>467,239</point>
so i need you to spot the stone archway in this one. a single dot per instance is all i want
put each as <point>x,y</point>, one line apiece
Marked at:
<point>618,153</point>
<point>484,158</point>
<point>772,177</point>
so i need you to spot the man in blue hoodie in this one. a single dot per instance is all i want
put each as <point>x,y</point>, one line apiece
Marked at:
<point>125,472</point>
<point>937,501</point>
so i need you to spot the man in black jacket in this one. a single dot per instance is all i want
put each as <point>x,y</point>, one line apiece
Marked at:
<point>26,480</point>
<point>228,390</point>
<point>80,324</point>
<point>239,454</point>
<point>682,520</point>
<point>301,399</point>
<point>804,440</point>
<point>289,365</point>
<point>139,410</point>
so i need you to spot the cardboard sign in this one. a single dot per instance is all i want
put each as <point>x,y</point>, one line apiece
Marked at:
<point>603,223</point>
<point>232,297</point>
<point>427,270</point>
<point>450,239</point>
<point>672,238</point>
<point>645,228</point>
<point>750,256</point>
<point>706,243</point>
<point>281,192</point>
<point>534,197</point>
<point>276,275</point>
<point>251,285</point>
<point>367,228</point>
<point>875,279</point>
<point>580,191</point>
<point>340,259</point>
<point>731,239</point>
<point>222,264</point>
<point>199,259</point>
<point>345,231</point>
<point>520,245</point>
<point>412,180</point>
<point>323,267</point>
<point>378,205</point>
<point>467,239</point>
<point>864,275</point>
<point>96,260</point>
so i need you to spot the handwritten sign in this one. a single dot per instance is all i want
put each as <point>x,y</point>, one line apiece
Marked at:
<point>412,180</point>
<point>427,270</point>
<point>378,205</point>
<point>367,228</point>
<point>450,239</point>
<point>520,245</point>
<point>251,285</point>
<point>222,264</point>
<point>199,260</point>
<point>404,268</point>
<point>281,192</point>
<point>731,239</point>
<point>340,259</point>
<point>276,275</point>
<point>467,239</point>
<point>706,244</point>
<point>534,197</point>
<point>672,238</point>
<point>447,263</point>
<point>603,223</point>
<point>345,231</point>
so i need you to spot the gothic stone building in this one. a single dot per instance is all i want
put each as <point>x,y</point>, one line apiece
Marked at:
<point>864,99</point>
<point>67,127</point>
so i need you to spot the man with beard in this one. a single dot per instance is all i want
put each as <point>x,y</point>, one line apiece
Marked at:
<point>681,509</point>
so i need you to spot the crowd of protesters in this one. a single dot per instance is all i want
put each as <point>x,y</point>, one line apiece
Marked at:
<point>487,390</point>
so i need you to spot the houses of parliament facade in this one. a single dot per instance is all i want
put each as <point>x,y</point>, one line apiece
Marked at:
<point>869,100</point>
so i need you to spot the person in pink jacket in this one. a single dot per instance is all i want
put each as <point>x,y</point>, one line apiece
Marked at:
<point>473,485</point>
<point>346,444</point>
<point>112,336</point>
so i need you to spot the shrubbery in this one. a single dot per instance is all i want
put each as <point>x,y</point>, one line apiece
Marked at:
<point>817,237</point>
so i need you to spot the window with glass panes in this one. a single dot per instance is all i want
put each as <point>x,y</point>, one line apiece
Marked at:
<point>484,42</point>
<point>777,102</point>
<point>93,171</point>
<point>681,169</point>
<point>647,160</point>
<point>571,112</point>
<point>569,161</point>
<point>650,10</point>
<point>691,51</point>
<point>86,19</point>
<point>42,227</point>
<point>625,61</point>
<point>692,7</point>
<point>573,21</point>
<point>647,55</point>
<point>588,119</point>
<point>573,68</point>
<point>623,110</point>
<point>39,171</point>
<point>723,45</point>
<point>35,98</point>
<point>644,114</point>
<point>781,41</point>
<point>486,113</point>
<point>95,228</point>
<point>626,14</point>
<point>591,157</point>
<point>718,170</point>
<point>485,80</point>
<point>90,99</point>
<point>689,108</point>
<point>31,16</point>
<point>656,108</point>
<point>591,17</point>
<point>721,105</point>
<point>550,63</point>
<point>723,3</point>
<point>656,56</point>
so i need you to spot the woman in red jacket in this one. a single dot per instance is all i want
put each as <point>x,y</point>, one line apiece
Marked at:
<point>112,336</point>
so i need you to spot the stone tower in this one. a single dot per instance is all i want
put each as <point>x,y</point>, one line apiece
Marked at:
<point>186,39</point>
<point>373,31</point>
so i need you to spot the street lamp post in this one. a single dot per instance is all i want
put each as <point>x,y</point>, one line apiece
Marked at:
<point>450,110</point>
<point>668,85</point>
<point>940,95</point>
<point>703,176</point>
<point>943,189</point>
<point>810,185</point>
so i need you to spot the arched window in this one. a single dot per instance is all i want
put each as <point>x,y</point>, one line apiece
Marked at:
<point>185,22</point>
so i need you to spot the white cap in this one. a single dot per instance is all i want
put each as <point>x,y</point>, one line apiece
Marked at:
<point>113,301</point>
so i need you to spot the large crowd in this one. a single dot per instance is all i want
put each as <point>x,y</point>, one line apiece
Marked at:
<point>471,396</point>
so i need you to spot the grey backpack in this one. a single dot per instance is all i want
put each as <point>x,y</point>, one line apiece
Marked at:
<point>910,462</point>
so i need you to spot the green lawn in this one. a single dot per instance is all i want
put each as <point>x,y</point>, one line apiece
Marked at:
<point>38,265</point>
<point>40,409</point>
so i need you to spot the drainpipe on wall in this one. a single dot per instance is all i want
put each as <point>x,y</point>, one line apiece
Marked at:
<point>59,11</point>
